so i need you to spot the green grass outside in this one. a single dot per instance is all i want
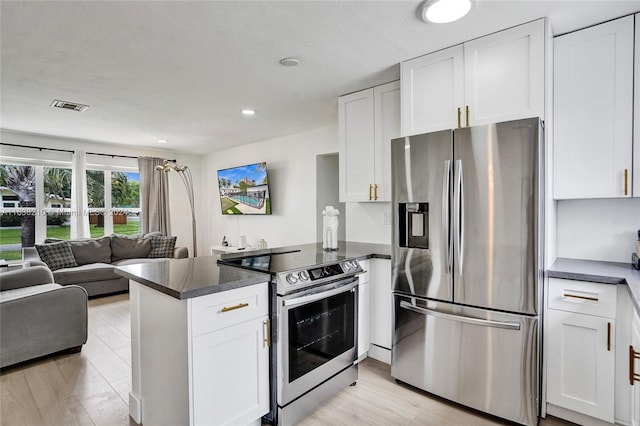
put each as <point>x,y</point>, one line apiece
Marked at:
<point>12,236</point>
<point>227,203</point>
<point>11,255</point>
<point>228,206</point>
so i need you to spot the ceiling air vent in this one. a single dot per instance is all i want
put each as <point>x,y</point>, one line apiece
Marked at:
<point>69,105</point>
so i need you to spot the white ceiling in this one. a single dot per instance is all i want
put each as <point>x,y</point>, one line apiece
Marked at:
<point>183,70</point>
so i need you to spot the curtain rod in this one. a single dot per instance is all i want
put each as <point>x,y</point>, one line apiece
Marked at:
<point>65,150</point>
<point>111,155</point>
<point>37,147</point>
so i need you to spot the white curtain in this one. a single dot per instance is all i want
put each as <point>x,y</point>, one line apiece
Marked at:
<point>154,196</point>
<point>79,206</point>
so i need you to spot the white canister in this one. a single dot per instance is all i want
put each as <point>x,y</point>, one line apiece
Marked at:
<point>242,241</point>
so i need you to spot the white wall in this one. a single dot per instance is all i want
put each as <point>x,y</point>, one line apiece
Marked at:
<point>180,213</point>
<point>291,168</point>
<point>365,223</point>
<point>598,229</point>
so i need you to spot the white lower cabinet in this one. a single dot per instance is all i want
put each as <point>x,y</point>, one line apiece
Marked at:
<point>634,370</point>
<point>200,361</point>
<point>364,310</point>
<point>381,310</point>
<point>580,325</point>
<point>231,367</point>
<point>580,370</point>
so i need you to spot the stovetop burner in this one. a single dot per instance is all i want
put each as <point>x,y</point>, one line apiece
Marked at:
<point>295,270</point>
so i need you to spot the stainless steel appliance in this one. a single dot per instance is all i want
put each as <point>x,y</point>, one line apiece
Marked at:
<point>315,318</point>
<point>467,265</point>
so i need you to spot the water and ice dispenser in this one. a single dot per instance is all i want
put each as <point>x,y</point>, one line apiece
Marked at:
<point>413,221</point>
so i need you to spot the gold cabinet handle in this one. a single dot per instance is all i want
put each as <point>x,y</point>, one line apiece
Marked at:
<point>467,114</point>
<point>577,296</point>
<point>267,333</point>
<point>375,191</point>
<point>370,196</point>
<point>609,336</point>
<point>459,117</point>
<point>232,308</point>
<point>633,355</point>
<point>626,181</point>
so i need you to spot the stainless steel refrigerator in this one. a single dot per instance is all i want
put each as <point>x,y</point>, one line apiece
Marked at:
<point>467,265</point>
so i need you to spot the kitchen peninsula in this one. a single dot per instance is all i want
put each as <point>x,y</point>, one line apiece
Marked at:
<point>201,332</point>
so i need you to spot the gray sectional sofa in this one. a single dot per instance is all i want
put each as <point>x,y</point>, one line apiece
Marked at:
<point>39,317</point>
<point>91,263</point>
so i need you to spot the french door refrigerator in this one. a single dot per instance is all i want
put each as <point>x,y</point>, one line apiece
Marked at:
<point>467,265</point>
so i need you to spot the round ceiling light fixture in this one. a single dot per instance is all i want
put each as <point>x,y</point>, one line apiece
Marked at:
<point>445,11</point>
<point>162,141</point>
<point>289,62</point>
<point>249,112</point>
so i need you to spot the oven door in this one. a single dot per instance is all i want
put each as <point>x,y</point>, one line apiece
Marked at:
<point>317,332</point>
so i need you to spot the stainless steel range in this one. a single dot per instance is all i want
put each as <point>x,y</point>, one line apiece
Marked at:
<point>315,316</point>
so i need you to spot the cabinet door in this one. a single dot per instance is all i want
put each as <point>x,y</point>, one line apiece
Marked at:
<point>364,316</point>
<point>230,374</point>
<point>356,133</point>
<point>635,391</point>
<point>593,101</point>
<point>381,303</point>
<point>387,127</point>
<point>636,109</point>
<point>504,75</point>
<point>580,363</point>
<point>432,91</point>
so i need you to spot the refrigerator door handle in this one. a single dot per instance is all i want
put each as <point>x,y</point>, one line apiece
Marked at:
<point>459,215</point>
<point>446,185</point>
<point>468,320</point>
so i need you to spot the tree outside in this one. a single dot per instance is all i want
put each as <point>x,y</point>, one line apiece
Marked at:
<point>22,181</point>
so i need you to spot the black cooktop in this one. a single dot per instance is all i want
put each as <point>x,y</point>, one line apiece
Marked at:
<point>277,262</point>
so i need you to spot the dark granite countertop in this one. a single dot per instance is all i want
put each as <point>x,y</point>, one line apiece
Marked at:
<point>193,277</point>
<point>599,272</point>
<point>346,250</point>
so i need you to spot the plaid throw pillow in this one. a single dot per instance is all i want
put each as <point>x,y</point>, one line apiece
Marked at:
<point>162,246</point>
<point>57,255</point>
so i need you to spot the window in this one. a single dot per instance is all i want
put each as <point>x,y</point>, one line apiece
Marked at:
<point>57,201</point>
<point>125,201</point>
<point>114,202</point>
<point>35,196</point>
<point>17,219</point>
<point>95,197</point>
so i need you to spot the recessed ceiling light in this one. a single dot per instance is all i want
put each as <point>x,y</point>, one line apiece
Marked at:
<point>248,112</point>
<point>289,62</point>
<point>162,141</point>
<point>445,11</point>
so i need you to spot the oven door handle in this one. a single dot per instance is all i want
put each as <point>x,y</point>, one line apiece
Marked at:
<point>322,294</point>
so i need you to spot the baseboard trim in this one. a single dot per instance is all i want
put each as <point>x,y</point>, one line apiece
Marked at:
<point>135,408</point>
<point>380,353</point>
<point>574,416</point>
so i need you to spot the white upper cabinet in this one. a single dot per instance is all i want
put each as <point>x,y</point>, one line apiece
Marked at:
<point>504,75</point>
<point>386,100</point>
<point>494,78</point>
<point>368,120</point>
<point>432,90</point>
<point>593,111</point>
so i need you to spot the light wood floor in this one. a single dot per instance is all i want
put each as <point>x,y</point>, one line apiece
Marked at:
<point>91,387</point>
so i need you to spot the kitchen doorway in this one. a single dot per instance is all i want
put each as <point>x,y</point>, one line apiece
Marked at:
<point>328,192</point>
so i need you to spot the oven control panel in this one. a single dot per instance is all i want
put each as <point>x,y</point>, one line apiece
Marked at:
<point>299,279</point>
